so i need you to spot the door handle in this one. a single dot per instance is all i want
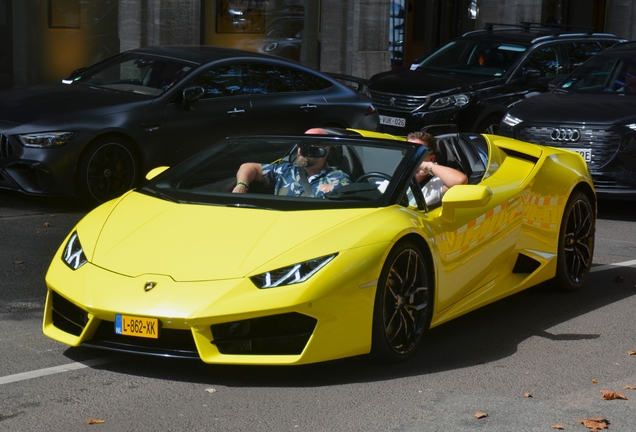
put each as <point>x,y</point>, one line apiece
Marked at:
<point>308,107</point>
<point>236,111</point>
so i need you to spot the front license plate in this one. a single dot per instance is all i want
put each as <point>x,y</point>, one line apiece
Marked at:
<point>392,121</point>
<point>137,326</point>
<point>586,153</point>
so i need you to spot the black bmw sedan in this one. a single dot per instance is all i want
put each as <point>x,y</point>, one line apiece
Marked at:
<point>592,112</point>
<point>96,133</point>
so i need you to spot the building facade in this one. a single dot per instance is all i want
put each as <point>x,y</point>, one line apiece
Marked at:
<point>45,40</point>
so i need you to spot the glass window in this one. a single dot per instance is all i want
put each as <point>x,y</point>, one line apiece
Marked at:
<point>304,81</point>
<point>545,59</point>
<point>580,52</point>
<point>222,81</point>
<point>138,74</point>
<point>267,79</point>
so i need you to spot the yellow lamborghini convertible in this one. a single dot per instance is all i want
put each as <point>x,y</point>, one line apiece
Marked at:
<point>183,267</point>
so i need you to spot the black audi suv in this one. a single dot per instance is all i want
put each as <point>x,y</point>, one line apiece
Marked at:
<point>592,112</point>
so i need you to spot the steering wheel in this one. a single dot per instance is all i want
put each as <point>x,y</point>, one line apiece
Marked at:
<point>373,175</point>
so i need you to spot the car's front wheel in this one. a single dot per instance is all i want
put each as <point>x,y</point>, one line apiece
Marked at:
<point>576,243</point>
<point>107,168</point>
<point>403,304</point>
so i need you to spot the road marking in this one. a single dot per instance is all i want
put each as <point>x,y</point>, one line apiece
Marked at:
<point>56,369</point>
<point>609,266</point>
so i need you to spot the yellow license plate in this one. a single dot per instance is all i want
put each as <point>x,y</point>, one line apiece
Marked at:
<point>137,326</point>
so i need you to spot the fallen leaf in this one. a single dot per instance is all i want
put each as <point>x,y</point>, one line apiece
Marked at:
<point>557,426</point>
<point>481,415</point>
<point>18,262</point>
<point>629,387</point>
<point>95,421</point>
<point>594,381</point>
<point>210,390</point>
<point>618,279</point>
<point>611,395</point>
<point>527,395</point>
<point>631,352</point>
<point>595,423</point>
<point>47,224</point>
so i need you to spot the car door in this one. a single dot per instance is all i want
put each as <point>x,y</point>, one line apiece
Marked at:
<point>285,99</point>
<point>224,109</point>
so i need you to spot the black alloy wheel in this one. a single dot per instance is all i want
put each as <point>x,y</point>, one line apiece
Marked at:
<point>403,304</point>
<point>576,243</point>
<point>107,169</point>
<point>490,125</point>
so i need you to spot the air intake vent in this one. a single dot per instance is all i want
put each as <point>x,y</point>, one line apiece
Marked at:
<point>5,147</point>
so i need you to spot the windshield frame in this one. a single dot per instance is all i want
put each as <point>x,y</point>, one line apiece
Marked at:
<point>474,57</point>
<point>167,184</point>
<point>182,71</point>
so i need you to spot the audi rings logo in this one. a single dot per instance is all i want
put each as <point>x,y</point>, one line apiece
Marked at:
<point>565,135</point>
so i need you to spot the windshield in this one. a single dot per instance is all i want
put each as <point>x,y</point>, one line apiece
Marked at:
<point>469,57</point>
<point>603,74</point>
<point>354,173</point>
<point>137,73</point>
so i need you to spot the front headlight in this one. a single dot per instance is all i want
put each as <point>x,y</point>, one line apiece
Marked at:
<point>632,126</point>
<point>293,274</point>
<point>73,255</point>
<point>47,139</point>
<point>511,121</point>
<point>458,101</point>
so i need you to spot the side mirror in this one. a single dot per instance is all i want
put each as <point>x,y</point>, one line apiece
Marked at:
<point>155,172</point>
<point>192,94</point>
<point>464,196</point>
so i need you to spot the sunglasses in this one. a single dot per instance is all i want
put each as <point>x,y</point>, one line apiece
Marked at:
<point>312,152</point>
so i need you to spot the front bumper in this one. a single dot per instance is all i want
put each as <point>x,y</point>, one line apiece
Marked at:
<point>227,321</point>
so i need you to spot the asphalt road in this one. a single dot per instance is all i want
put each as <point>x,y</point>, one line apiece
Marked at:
<point>530,362</point>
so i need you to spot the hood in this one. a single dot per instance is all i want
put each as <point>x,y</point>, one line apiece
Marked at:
<point>58,101</point>
<point>421,82</point>
<point>595,109</point>
<point>189,242</point>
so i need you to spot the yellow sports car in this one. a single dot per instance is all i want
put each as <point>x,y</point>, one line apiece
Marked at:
<point>186,267</point>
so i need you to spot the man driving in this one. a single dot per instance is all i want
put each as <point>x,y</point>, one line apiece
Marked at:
<point>309,175</point>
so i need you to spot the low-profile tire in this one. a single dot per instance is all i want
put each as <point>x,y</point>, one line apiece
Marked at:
<point>576,243</point>
<point>403,304</point>
<point>107,168</point>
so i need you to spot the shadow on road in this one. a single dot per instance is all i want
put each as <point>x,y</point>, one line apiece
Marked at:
<point>486,335</point>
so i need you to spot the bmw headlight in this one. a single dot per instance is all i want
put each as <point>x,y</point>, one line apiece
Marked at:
<point>458,101</point>
<point>511,121</point>
<point>293,274</point>
<point>47,139</point>
<point>73,254</point>
<point>632,126</point>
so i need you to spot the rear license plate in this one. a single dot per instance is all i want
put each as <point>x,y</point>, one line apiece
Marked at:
<point>392,121</point>
<point>137,326</point>
<point>586,153</point>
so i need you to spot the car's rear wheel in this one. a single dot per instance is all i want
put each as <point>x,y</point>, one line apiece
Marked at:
<point>403,304</point>
<point>576,243</point>
<point>107,168</point>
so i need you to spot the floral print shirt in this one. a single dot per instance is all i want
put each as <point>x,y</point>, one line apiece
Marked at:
<point>286,179</point>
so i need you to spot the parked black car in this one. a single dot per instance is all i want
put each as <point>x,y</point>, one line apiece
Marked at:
<point>95,133</point>
<point>471,81</point>
<point>592,112</point>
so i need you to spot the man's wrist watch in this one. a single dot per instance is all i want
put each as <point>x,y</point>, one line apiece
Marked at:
<point>430,168</point>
